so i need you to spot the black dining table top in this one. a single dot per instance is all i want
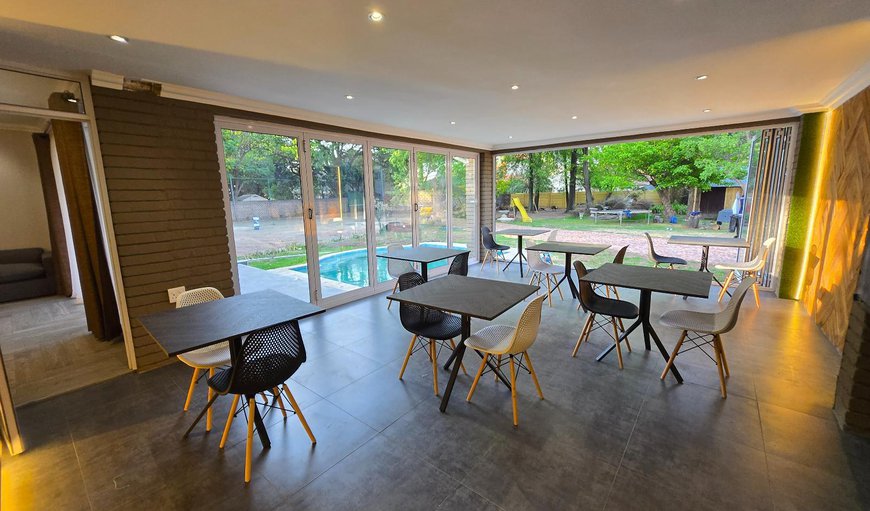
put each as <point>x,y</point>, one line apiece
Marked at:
<point>189,328</point>
<point>424,254</point>
<point>659,280</point>
<point>708,241</point>
<point>561,247</point>
<point>521,231</point>
<point>470,296</point>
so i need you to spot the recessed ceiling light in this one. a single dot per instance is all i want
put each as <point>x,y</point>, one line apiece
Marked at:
<point>376,16</point>
<point>707,110</point>
<point>348,97</point>
<point>452,122</point>
<point>119,38</point>
<point>515,87</point>
<point>573,117</point>
<point>510,136</point>
<point>701,77</point>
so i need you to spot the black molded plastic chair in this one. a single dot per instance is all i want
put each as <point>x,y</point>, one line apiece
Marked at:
<point>492,248</point>
<point>432,329</point>
<point>268,358</point>
<point>617,259</point>
<point>660,259</point>
<point>459,266</point>
<point>597,305</point>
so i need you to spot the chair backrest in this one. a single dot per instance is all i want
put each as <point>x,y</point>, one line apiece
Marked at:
<point>588,295</point>
<point>396,267</point>
<point>652,248</point>
<point>761,257</point>
<point>726,319</point>
<point>533,257</point>
<point>553,235</point>
<point>527,327</point>
<point>411,316</point>
<point>198,295</point>
<point>269,357</point>
<point>620,256</point>
<point>487,239</point>
<point>459,266</point>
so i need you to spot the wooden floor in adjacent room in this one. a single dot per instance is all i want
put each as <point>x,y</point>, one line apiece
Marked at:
<point>48,350</point>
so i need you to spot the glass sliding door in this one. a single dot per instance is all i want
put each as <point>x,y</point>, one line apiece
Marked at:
<point>339,215</point>
<point>265,192</point>
<point>463,198</point>
<point>391,169</point>
<point>432,207</point>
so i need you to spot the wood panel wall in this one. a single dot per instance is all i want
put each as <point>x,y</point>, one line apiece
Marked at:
<point>837,243</point>
<point>165,193</point>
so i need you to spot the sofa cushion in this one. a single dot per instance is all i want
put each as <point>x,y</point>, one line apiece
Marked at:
<point>17,272</point>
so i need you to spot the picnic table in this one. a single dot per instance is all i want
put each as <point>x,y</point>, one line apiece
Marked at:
<point>618,213</point>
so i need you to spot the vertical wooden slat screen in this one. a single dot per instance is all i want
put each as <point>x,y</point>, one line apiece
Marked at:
<point>768,203</point>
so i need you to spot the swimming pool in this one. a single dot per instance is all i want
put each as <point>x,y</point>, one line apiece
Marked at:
<point>352,267</point>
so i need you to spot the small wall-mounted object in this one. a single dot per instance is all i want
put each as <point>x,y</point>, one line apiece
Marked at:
<point>174,292</point>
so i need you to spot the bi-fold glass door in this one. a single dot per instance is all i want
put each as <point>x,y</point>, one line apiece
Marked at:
<point>309,211</point>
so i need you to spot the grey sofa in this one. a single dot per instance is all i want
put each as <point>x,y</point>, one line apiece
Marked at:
<point>26,273</point>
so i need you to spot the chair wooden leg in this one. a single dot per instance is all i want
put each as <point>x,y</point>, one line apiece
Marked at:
<point>755,290</point>
<point>461,364</point>
<point>395,286</point>
<point>725,285</point>
<point>434,365</point>
<point>673,355</point>
<point>607,291</point>
<point>534,375</point>
<point>229,423</point>
<point>549,291</point>
<point>209,414</point>
<point>616,341</point>
<point>477,377</point>
<point>296,409</point>
<point>722,354</point>
<point>616,333</point>
<point>719,367</point>
<point>249,443</point>
<point>190,389</point>
<point>407,356</point>
<point>615,292</point>
<point>556,285</point>
<point>514,391</point>
<point>582,334</point>
<point>280,401</point>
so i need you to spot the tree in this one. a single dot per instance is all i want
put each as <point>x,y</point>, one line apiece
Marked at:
<point>262,164</point>
<point>671,166</point>
<point>587,180</point>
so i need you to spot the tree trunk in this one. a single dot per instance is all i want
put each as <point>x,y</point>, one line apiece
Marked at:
<point>571,188</point>
<point>667,202</point>
<point>587,180</point>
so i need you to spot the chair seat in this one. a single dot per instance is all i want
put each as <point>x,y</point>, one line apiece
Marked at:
<point>615,308</point>
<point>702,322</point>
<point>669,260</point>
<point>206,358</point>
<point>447,327</point>
<point>400,268</point>
<point>498,247</point>
<point>495,339</point>
<point>548,268</point>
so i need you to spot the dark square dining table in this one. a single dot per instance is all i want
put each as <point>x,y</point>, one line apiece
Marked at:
<point>705,242</point>
<point>519,232</point>
<point>561,247</point>
<point>647,280</point>
<point>185,329</point>
<point>424,256</point>
<point>469,297</point>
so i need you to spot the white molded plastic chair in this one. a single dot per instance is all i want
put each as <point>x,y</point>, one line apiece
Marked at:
<point>702,325</point>
<point>396,267</point>
<point>747,269</point>
<point>543,271</point>
<point>546,256</point>
<point>512,341</point>
<point>203,359</point>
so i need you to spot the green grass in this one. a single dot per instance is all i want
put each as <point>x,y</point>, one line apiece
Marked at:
<point>636,223</point>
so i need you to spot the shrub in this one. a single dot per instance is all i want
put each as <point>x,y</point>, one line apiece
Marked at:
<point>681,209</point>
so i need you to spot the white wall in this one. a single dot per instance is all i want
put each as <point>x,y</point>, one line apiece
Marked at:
<point>23,222</point>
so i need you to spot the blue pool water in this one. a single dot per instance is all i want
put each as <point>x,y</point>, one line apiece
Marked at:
<point>351,267</point>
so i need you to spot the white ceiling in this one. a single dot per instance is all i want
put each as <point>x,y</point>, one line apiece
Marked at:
<point>622,66</point>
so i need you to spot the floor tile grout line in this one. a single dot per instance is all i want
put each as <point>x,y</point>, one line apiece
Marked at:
<point>79,464</point>
<point>627,443</point>
<point>763,445</point>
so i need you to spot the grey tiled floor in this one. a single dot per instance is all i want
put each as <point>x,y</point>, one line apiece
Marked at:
<point>602,438</point>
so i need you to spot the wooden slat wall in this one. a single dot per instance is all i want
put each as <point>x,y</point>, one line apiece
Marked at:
<point>165,193</point>
<point>837,244</point>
